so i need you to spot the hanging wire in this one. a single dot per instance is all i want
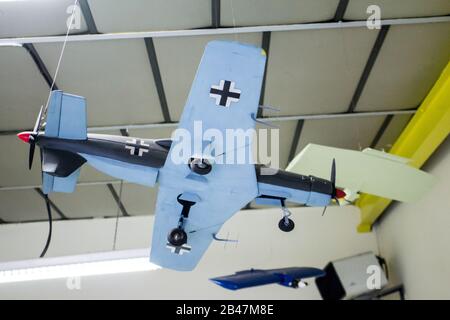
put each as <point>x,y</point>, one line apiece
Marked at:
<point>50,220</point>
<point>43,114</point>
<point>234,20</point>
<point>74,7</point>
<point>117,216</point>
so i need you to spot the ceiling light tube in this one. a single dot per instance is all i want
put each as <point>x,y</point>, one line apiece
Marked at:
<point>76,266</point>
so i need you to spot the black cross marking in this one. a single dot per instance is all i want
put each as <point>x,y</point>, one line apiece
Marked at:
<point>137,147</point>
<point>177,249</point>
<point>226,92</point>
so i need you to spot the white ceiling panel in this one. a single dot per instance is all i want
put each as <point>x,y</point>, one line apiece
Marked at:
<point>178,60</point>
<point>267,12</point>
<point>356,9</point>
<point>316,71</point>
<point>138,200</point>
<point>36,18</point>
<point>114,76</point>
<point>14,163</point>
<point>144,15</point>
<point>22,91</point>
<point>86,201</point>
<point>348,133</point>
<point>22,206</point>
<point>392,132</point>
<point>409,63</point>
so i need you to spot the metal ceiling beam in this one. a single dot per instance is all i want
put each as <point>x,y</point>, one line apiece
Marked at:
<point>368,68</point>
<point>296,139</point>
<point>265,44</point>
<point>40,65</point>
<point>52,204</point>
<point>218,31</point>
<point>215,13</point>
<point>270,119</point>
<point>340,10</point>
<point>87,13</point>
<point>118,200</point>
<point>151,52</point>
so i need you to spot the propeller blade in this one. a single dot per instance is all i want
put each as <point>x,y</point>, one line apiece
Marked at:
<point>31,155</point>
<point>38,121</point>
<point>333,172</point>
<point>324,209</point>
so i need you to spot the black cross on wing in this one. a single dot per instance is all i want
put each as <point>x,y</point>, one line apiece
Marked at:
<point>225,93</point>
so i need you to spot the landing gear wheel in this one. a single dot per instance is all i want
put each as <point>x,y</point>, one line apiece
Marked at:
<point>200,166</point>
<point>286,227</point>
<point>294,283</point>
<point>177,237</point>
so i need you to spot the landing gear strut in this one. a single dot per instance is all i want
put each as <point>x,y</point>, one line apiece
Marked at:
<point>285,224</point>
<point>177,236</point>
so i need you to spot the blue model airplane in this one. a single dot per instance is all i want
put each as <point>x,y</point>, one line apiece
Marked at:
<point>288,277</point>
<point>196,197</point>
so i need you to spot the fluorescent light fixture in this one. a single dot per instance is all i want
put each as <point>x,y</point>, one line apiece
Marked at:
<point>10,44</point>
<point>76,266</point>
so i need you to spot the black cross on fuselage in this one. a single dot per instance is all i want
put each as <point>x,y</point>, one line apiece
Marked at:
<point>225,93</point>
<point>137,147</point>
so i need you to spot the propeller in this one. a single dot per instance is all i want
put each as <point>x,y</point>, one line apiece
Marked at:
<point>336,193</point>
<point>31,137</point>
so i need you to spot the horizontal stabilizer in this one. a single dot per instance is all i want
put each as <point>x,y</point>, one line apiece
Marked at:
<point>66,116</point>
<point>371,171</point>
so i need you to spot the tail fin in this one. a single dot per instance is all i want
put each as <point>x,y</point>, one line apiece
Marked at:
<point>66,116</point>
<point>57,184</point>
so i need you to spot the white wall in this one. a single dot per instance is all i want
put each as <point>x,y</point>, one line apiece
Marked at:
<point>415,238</point>
<point>315,241</point>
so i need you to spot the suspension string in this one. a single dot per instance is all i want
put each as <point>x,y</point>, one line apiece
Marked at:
<point>44,113</point>
<point>234,20</point>
<point>117,216</point>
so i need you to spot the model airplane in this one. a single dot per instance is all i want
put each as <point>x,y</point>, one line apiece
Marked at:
<point>288,277</point>
<point>195,197</point>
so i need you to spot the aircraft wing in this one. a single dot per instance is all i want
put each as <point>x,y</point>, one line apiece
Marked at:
<point>251,278</point>
<point>301,272</point>
<point>224,95</point>
<point>370,171</point>
<point>246,279</point>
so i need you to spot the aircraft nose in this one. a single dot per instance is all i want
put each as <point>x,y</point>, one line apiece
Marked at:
<point>24,136</point>
<point>340,194</point>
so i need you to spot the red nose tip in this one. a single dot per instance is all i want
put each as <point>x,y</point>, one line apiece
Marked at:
<point>340,194</point>
<point>24,136</point>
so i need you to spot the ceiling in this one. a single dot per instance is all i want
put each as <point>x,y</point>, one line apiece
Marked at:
<point>309,72</point>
